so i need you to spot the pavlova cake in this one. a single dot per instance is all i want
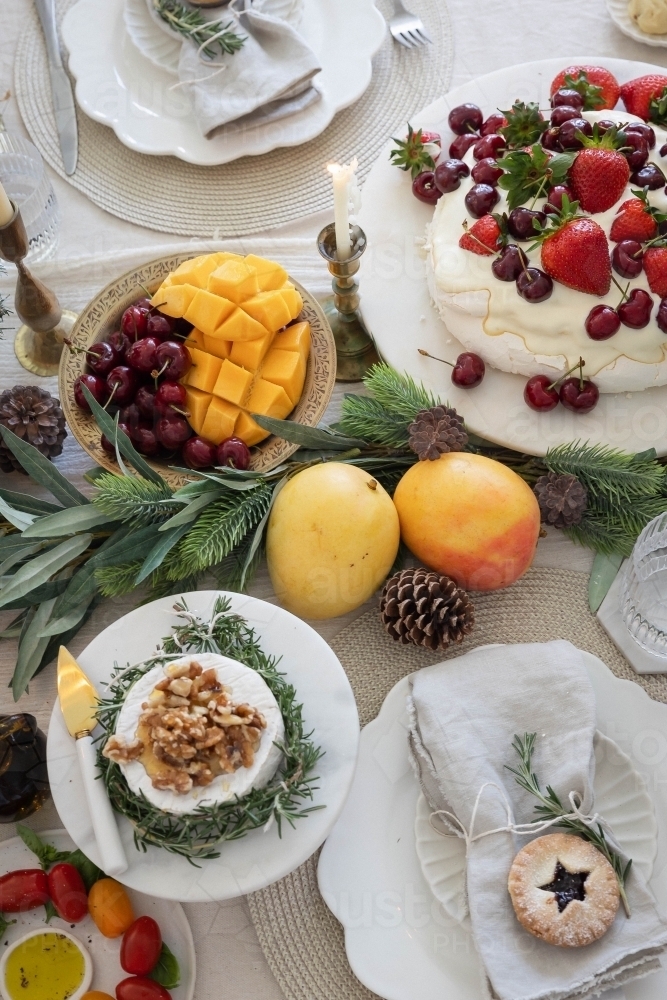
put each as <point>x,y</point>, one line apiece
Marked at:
<point>547,251</point>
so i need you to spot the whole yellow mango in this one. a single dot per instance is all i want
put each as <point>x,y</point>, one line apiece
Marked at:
<point>332,537</point>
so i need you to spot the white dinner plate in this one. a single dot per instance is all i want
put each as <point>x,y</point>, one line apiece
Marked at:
<point>398,312</point>
<point>105,952</point>
<point>119,87</point>
<point>618,10</point>
<point>621,796</point>
<point>261,857</point>
<point>399,940</point>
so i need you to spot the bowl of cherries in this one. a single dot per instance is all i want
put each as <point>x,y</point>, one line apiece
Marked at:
<point>132,359</point>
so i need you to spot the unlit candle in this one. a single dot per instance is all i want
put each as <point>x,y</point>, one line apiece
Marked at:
<point>343,177</point>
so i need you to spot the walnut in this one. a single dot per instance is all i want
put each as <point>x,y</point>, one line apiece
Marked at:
<point>120,751</point>
<point>174,781</point>
<point>181,686</point>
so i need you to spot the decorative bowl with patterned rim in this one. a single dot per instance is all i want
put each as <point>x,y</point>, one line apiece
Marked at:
<point>102,315</point>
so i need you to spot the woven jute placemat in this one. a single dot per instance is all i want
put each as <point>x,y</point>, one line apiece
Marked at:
<point>302,941</point>
<point>255,193</point>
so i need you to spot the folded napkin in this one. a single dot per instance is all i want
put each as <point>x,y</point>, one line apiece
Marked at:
<point>463,717</point>
<point>268,79</point>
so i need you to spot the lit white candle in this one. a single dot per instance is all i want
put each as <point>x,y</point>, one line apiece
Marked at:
<point>343,179</point>
<point>6,208</point>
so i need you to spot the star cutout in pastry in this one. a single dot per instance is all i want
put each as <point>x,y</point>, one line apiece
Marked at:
<point>566,886</point>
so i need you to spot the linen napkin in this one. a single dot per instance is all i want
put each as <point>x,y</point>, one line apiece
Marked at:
<point>463,717</point>
<point>269,79</point>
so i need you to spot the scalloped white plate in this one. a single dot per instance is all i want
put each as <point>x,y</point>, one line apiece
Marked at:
<point>161,48</point>
<point>119,87</point>
<point>618,10</point>
<point>621,797</point>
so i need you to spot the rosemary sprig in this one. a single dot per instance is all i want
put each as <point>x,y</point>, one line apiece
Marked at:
<point>193,25</point>
<point>196,835</point>
<point>551,807</point>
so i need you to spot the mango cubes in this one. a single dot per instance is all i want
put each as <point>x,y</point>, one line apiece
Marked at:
<point>248,354</point>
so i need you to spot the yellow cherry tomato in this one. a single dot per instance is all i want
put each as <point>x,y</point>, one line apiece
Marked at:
<point>110,907</point>
<point>96,995</point>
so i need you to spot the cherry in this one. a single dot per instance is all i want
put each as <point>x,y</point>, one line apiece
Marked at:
<point>627,257</point>
<point>650,176</point>
<point>233,452</point>
<point>641,128</point>
<point>468,371</point>
<point>448,175</point>
<point>493,123</point>
<point>663,150</point>
<point>661,317</point>
<point>465,118</point>
<point>509,264</point>
<point>182,328</point>
<point>460,146</point>
<point>142,354</point>
<point>123,383</point>
<point>579,394</point>
<point>199,453</point>
<point>562,114</point>
<point>480,199</point>
<point>550,140</point>
<point>636,149</point>
<point>134,319</point>
<point>487,171</point>
<point>554,203</point>
<point>489,145</point>
<point>567,98</point>
<point>567,133</point>
<point>604,125</point>
<point>173,360</point>
<point>130,416</point>
<point>120,343</point>
<point>520,223</point>
<point>102,357</point>
<point>145,440</point>
<point>172,431</point>
<point>602,323</point>
<point>635,312</point>
<point>540,393</point>
<point>108,445</point>
<point>423,187</point>
<point>145,401</point>
<point>160,326</point>
<point>95,385</point>
<point>170,394</point>
<point>534,285</point>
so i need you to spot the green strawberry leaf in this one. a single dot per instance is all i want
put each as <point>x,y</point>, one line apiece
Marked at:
<point>591,94</point>
<point>411,153</point>
<point>528,176</point>
<point>657,108</point>
<point>524,126</point>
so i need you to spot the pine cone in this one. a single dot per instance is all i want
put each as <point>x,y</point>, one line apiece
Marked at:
<point>426,609</point>
<point>437,431</point>
<point>35,416</point>
<point>562,499</point>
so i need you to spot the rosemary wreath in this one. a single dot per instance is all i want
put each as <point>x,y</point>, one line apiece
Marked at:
<point>213,37</point>
<point>196,835</point>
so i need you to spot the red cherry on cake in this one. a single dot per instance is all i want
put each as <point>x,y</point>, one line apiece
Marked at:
<point>134,319</point>
<point>424,187</point>
<point>540,393</point>
<point>145,401</point>
<point>108,445</point>
<point>142,354</point>
<point>521,223</point>
<point>534,285</point>
<point>509,263</point>
<point>173,431</point>
<point>563,114</point>
<point>170,394</point>
<point>481,199</point>
<point>102,357</point>
<point>493,123</point>
<point>468,371</point>
<point>465,118</point>
<point>661,316</point>
<point>635,149</point>
<point>199,453</point>
<point>160,326</point>
<point>120,343</point>
<point>95,385</point>
<point>568,133</point>
<point>233,452</point>
<point>627,258</point>
<point>565,97</point>
<point>489,146</point>
<point>486,171</point>
<point>650,176</point>
<point>550,141</point>
<point>172,360</point>
<point>122,383</point>
<point>602,323</point>
<point>635,312</point>
<point>460,146</point>
<point>448,174</point>
<point>641,128</point>
<point>554,203</point>
<point>144,439</point>
<point>579,394</point>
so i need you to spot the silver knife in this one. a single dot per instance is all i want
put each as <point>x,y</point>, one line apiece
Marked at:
<point>61,88</point>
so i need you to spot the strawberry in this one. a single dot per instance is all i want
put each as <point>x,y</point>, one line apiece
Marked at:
<point>599,174</point>
<point>597,85</point>
<point>633,222</point>
<point>575,251</point>
<point>655,266</point>
<point>646,97</point>
<point>483,238</point>
<point>418,151</point>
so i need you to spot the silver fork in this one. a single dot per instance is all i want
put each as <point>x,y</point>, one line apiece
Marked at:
<point>408,29</point>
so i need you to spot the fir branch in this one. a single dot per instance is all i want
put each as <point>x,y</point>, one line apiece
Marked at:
<point>398,394</point>
<point>193,25</point>
<point>115,581</point>
<point>551,807</point>
<point>134,500</point>
<point>608,471</point>
<point>365,417</point>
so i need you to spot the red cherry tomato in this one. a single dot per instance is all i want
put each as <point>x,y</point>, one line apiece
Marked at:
<point>140,988</point>
<point>141,947</point>
<point>23,890</point>
<point>68,893</point>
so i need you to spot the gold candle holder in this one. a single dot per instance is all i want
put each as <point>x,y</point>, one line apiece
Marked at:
<point>355,350</point>
<point>39,341</point>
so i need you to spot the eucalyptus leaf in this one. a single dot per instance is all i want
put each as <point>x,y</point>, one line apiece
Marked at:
<point>79,592</point>
<point>109,427</point>
<point>68,522</point>
<point>54,588</point>
<point>308,437</point>
<point>191,512</point>
<point>68,621</point>
<point>18,518</point>
<point>604,572</point>
<point>11,543</point>
<point>31,505</point>
<point>32,646</point>
<point>14,629</point>
<point>42,470</point>
<point>160,550</point>
<point>128,547</point>
<point>18,555</point>
<point>259,533</point>
<point>92,475</point>
<point>42,567</point>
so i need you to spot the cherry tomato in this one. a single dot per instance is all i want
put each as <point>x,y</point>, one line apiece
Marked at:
<point>68,893</point>
<point>110,907</point>
<point>140,988</point>
<point>141,947</point>
<point>23,890</point>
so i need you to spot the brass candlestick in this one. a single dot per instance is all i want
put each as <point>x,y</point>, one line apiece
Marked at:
<point>355,351</point>
<point>39,341</point>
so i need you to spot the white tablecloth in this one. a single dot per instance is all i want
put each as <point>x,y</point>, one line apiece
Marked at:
<point>487,36</point>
